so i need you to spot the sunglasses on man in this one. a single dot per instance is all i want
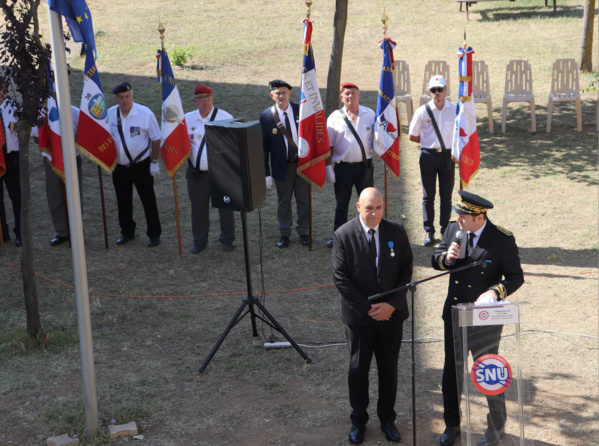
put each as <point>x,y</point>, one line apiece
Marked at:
<point>437,89</point>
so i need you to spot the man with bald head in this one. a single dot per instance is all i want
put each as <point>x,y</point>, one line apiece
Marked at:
<point>372,255</point>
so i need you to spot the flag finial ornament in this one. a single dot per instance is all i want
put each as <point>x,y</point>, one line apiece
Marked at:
<point>308,8</point>
<point>161,30</point>
<point>385,19</point>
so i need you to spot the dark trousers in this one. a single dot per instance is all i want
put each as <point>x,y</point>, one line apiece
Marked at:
<point>138,175</point>
<point>198,188</point>
<point>56,197</point>
<point>13,186</point>
<point>383,340</point>
<point>348,176</point>
<point>481,341</point>
<point>435,165</point>
<point>292,185</point>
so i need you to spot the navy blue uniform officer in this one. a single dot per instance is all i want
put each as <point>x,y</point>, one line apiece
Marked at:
<point>501,277</point>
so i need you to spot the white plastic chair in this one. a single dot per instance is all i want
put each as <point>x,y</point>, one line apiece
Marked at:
<point>403,91</point>
<point>518,88</point>
<point>564,88</point>
<point>480,87</point>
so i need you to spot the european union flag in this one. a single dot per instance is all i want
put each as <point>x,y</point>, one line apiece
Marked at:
<point>79,20</point>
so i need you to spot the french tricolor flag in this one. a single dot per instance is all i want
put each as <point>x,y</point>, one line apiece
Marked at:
<point>465,149</point>
<point>93,134</point>
<point>313,142</point>
<point>175,147</point>
<point>50,141</point>
<point>386,126</point>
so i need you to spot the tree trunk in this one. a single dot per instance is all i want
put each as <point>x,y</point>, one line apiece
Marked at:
<point>586,48</point>
<point>334,77</point>
<point>24,75</point>
<point>34,325</point>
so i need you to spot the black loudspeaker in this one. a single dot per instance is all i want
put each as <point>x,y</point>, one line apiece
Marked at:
<point>235,164</point>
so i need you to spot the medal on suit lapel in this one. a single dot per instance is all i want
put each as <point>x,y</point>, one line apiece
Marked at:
<point>391,245</point>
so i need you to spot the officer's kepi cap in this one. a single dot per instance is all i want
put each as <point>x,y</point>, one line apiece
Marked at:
<point>121,88</point>
<point>277,83</point>
<point>471,204</point>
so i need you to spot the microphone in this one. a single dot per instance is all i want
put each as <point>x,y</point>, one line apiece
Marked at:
<point>458,239</point>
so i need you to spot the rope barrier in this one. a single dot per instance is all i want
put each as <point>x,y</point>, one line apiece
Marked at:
<point>236,293</point>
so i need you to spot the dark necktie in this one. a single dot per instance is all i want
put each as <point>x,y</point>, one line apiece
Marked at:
<point>372,245</point>
<point>290,154</point>
<point>470,246</point>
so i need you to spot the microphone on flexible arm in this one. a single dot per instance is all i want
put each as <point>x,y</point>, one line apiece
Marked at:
<point>458,239</point>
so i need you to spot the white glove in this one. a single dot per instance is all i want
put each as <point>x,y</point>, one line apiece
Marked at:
<point>154,169</point>
<point>270,182</point>
<point>487,298</point>
<point>330,174</point>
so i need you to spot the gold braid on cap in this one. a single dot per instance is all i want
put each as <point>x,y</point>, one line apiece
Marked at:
<point>471,207</point>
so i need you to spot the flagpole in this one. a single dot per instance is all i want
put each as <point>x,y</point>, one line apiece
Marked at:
<point>459,168</point>
<point>103,207</point>
<point>161,30</point>
<point>74,204</point>
<point>385,21</point>
<point>308,11</point>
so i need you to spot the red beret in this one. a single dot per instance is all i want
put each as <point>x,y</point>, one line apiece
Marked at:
<point>347,85</point>
<point>202,89</point>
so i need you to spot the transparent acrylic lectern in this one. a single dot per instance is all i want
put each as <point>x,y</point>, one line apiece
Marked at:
<point>490,383</point>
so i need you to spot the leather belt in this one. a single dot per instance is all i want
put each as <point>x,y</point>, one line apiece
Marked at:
<point>432,150</point>
<point>352,164</point>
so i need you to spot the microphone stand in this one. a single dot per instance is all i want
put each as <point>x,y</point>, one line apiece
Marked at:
<point>412,288</point>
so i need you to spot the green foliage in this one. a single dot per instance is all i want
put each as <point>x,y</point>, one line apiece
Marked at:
<point>593,85</point>
<point>17,342</point>
<point>180,55</point>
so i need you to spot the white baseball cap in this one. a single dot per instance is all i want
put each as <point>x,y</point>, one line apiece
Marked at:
<point>437,81</point>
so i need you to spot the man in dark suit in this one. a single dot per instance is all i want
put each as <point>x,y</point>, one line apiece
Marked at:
<point>279,138</point>
<point>501,276</point>
<point>372,255</point>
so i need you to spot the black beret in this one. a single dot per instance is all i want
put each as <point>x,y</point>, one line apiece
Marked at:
<point>277,83</point>
<point>471,204</point>
<point>121,88</point>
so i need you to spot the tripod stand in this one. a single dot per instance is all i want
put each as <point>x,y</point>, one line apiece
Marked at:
<point>249,302</point>
<point>412,288</point>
